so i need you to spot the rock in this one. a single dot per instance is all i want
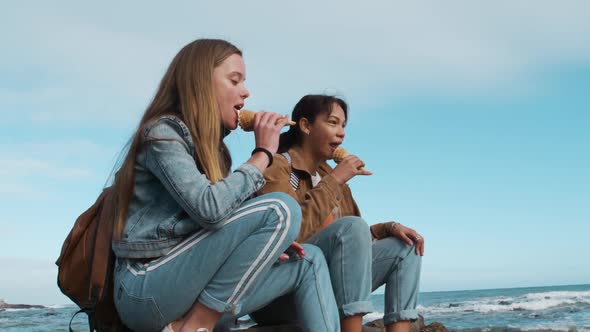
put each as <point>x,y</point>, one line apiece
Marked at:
<point>434,327</point>
<point>273,328</point>
<point>377,325</point>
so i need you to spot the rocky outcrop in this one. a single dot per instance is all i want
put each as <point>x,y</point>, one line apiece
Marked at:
<point>434,327</point>
<point>417,326</point>
<point>4,305</point>
<point>374,326</point>
<point>378,326</point>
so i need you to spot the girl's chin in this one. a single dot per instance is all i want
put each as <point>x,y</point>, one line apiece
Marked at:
<point>232,125</point>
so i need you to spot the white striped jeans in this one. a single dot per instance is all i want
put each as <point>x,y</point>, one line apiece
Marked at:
<point>230,270</point>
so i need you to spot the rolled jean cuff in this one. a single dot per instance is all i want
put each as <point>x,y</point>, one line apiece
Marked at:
<point>403,315</point>
<point>356,308</point>
<point>210,302</point>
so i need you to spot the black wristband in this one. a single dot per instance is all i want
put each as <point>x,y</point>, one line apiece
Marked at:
<point>268,154</point>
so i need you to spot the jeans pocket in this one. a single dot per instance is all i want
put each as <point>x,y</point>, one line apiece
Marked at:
<point>138,313</point>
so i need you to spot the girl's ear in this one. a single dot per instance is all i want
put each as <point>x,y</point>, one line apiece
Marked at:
<point>304,125</point>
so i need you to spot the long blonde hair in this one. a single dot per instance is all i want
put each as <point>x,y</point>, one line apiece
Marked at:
<point>186,91</point>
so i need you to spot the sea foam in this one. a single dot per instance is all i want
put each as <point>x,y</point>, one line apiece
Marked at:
<point>527,302</point>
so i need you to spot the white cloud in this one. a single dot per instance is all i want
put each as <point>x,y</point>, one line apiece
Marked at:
<point>33,167</point>
<point>108,63</point>
<point>60,149</point>
<point>12,189</point>
<point>27,167</point>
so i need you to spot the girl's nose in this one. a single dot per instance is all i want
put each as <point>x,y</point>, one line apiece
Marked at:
<point>245,93</point>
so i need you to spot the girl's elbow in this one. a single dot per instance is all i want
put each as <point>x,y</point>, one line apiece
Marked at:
<point>211,220</point>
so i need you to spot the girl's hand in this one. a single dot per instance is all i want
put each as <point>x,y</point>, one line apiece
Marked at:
<point>348,168</point>
<point>296,248</point>
<point>409,236</point>
<point>267,130</point>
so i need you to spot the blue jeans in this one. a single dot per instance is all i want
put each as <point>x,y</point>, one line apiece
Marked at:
<point>358,267</point>
<point>397,266</point>
<point>233,269</point>
<point>346,244</point>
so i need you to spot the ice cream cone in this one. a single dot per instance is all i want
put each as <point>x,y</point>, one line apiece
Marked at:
<point>246,120</point>
<point>339,154</point>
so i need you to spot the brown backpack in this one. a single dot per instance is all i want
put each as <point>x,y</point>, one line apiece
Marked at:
<point>85,267</point>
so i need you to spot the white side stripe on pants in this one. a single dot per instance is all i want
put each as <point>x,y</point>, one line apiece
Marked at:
<point>251,274</point>
<point>284,224</point>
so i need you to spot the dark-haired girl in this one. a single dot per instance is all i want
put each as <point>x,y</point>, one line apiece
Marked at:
<point>360,258</point>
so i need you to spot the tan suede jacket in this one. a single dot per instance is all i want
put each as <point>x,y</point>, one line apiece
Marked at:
<point>316,203</point>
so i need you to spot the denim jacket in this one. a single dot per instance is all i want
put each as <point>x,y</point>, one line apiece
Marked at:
<point>172,198</point>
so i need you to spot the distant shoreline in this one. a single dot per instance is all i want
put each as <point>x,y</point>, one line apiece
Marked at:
<point>4,306</point>
<point>500,288</point>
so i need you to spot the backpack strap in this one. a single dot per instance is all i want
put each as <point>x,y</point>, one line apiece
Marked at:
<point>91,319</point>
<point>294,180</point>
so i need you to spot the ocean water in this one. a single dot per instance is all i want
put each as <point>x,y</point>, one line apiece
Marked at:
<point>556,308</point>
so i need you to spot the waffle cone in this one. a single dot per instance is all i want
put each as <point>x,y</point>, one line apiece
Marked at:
<point>339,154</point>
<point>246,120</point>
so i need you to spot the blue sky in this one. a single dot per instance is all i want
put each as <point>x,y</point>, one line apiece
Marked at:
<point>473,117</point>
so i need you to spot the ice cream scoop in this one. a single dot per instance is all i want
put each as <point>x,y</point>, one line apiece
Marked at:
<point>246,120</point>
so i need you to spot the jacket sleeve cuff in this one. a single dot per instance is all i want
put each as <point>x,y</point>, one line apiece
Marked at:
<point>380,231</point>
<point>254,174</point>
